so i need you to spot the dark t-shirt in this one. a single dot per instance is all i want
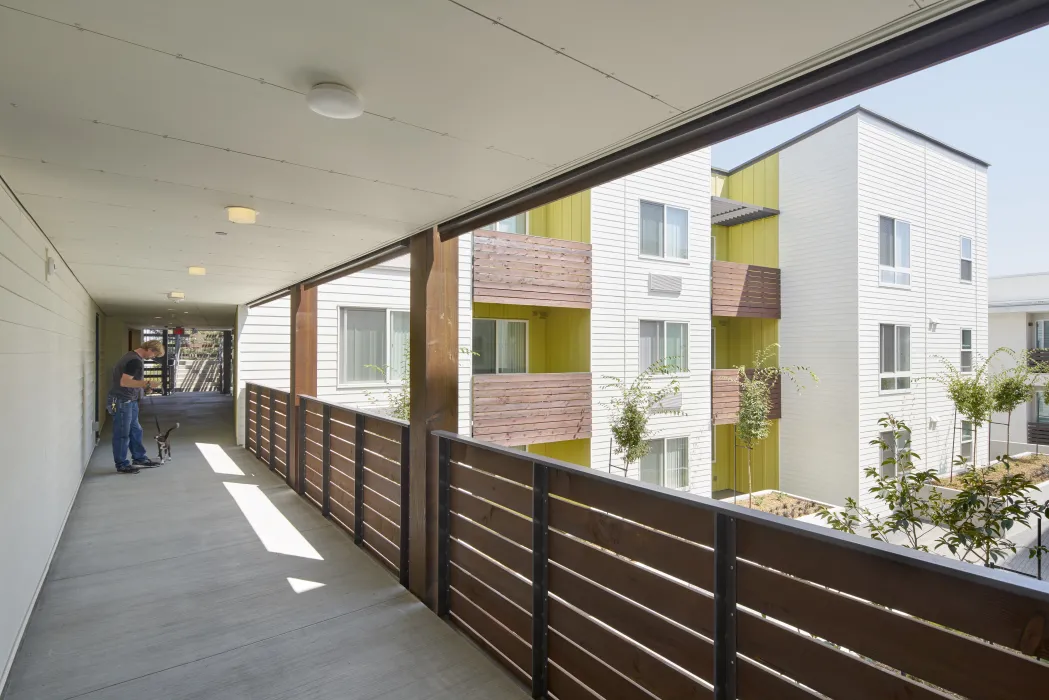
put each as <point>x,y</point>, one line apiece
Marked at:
<point>131,365</point>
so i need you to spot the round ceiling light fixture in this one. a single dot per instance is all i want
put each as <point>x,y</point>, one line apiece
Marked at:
<point>334,101</point>
<point>241,215</point>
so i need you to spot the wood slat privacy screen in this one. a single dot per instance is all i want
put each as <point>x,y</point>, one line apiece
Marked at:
<point>511,268</point>
<point>747,291</point>
<point>590,586</point>
<point>725,389</point>
<point>354,468</point>
<point>266,426</point>
<point>522,409</point>
<point>1038,433</point>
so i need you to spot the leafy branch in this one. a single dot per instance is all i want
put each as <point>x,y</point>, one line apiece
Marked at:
<point>635,404</point>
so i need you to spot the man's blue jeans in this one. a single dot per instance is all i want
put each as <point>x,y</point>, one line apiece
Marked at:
<point>127,432</point>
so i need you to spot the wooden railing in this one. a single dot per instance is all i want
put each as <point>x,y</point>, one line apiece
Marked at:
<point>1038,433</point>
<point>586,585</point>
<point>725,389</point>
<point>267,421</point>
<point>354,468</point>
<point>510,268</point>
<point>522,409</point>
<point>748,291</point>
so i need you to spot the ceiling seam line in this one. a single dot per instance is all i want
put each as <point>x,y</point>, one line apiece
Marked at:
<point>566,55</point>
<point>411,224</point>
<point>274,160</point>
<point>263,81</point>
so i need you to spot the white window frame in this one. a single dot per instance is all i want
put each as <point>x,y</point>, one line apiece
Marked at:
<point>971,350</point>
<point>663,466</point>
<point>1039,407</point>
<point>527,343</point>
<point>895,349</point>
<point>688,241</point>
<point>894,269</point>
<point>688,343</point>
<point>339,351</point>
<point>1043,324</point>
<point>970,259</point>
<point>962,442</point>
<point>528,225</point>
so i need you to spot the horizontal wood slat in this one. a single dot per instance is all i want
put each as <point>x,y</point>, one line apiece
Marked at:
<point>565,687</point>
<point>482,485</point>
<point>510,555</point>
<point>507,523</point>
<point>515,653</point>
<point>1038,433</point>
<point>725,390</point>
<point>494,575</point>
<point>512,468</point>
<point>590,669</point>
<point>511,268</point>
<point>746,291</point>
<point>516,409</point>
<point>516,619</point>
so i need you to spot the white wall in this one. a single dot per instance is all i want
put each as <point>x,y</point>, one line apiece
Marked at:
<point>944,197</point>
<point>1011,330</point>
<point>263,352</point>
<point>47,380</point>
<point>386,286</point>
<point>818,258</point>
<point>621,299</point>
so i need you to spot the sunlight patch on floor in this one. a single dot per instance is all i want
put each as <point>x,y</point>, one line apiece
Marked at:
<point>301,586</point>
<point>218,460</point>
<point>277,533</point>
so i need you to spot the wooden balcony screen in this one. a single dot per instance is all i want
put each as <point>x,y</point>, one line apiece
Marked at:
<point>725,390</point>
<point>745,291</point>
<point>1039,356</point>
<point>521,409</point>
<point>1038,433</point>
<point>510,268</point>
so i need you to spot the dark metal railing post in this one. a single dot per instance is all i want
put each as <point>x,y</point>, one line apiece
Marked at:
<point>247,414</point>
<point>288,433</point>
<point>358,481</point>
<point>444,523</point>
<point>1039,550</point>
<point>300,463</point>
<point>326,461</point>
<point>258,424</point>
<point>724,607</point>
<point>405,508</point>
<point>272,452</point>
<point>540,585</point>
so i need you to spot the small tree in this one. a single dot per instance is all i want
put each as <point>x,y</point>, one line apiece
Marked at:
<point>633,407</point>
<point>399,397</point>
<point>755,402</point>
<point>980,517</point>
<point>1014,386</point>
<point>900,488</point>
<point>971,394</point>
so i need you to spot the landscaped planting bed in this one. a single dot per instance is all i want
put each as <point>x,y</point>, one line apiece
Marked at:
<point>1034,467</point>
<point>782,504</point>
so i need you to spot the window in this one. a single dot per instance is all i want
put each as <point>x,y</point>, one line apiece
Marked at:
<point>967,350</point>
<point>515,224</point>
<point>664,231</point>
<point>967,440</point>
<point>891,451</point>
<point>662,340</point>
<point>666,463</point>
<point>895,357</point>
<point>895,252</point>
<point>501,347</point>
<point>1041,410</point>
<point>967,259</point>
<point>371,340</point>
<point>1041,337</point>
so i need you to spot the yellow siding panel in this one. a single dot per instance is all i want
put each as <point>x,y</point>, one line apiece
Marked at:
<point>558,339</point>
<point>764,465</point>
<point>566,219</point>
<point>756,242</point>
<point>574,451</point>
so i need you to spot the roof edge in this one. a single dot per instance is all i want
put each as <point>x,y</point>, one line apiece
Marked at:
<point>858,109</point>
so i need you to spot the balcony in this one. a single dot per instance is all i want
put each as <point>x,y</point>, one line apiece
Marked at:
<point>510,268</point>
<point>1038,433</point>
<point>1038,356</point>
<point>725,397</point>
<point>745,291</point>
<point>523,409</point>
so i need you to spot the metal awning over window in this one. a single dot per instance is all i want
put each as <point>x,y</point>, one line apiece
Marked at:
<point>729,212</point>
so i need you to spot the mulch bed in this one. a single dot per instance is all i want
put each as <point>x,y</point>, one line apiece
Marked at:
<point>1034,467</point>
<point>781,504</point>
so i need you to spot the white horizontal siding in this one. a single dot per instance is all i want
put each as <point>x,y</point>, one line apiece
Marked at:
<point>263,353</point>
<point>817,246</point>
<point>621,299</point>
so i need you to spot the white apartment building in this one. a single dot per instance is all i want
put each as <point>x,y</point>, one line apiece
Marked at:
<point>1019,320</point>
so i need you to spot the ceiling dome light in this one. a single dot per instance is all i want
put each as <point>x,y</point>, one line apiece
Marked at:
<point>197,271</point>
<point>335,101</point>
<point>241,215</point>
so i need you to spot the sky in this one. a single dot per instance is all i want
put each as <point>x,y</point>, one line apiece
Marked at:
<point>992,104</point>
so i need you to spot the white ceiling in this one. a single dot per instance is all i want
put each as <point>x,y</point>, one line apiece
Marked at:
<point>127,125</point>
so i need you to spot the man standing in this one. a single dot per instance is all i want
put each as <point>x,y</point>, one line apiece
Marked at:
<point>122,402</point>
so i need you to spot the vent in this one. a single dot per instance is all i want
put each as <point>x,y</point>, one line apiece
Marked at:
<point>664,284</point>
<point>670,404</point>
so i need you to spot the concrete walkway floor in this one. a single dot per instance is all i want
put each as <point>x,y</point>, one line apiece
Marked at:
<point>162,589</point>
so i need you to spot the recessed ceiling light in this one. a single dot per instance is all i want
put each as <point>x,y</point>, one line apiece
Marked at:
<point>197,271</point>
<point>335,101</point>
<point>241,215</point>
<point>159,317</point>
